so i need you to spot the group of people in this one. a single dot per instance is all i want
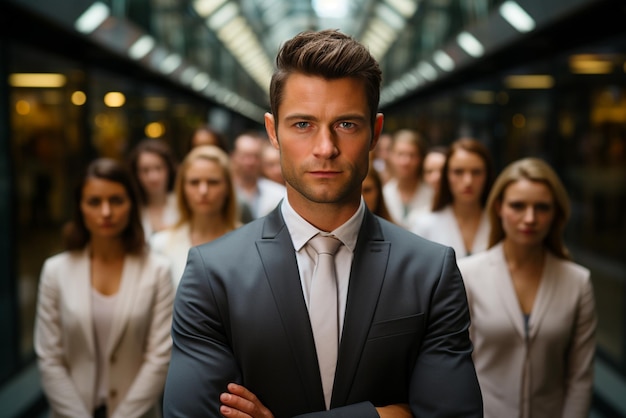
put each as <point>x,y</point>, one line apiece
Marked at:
<point>532,308</point>
<point>450,297</point>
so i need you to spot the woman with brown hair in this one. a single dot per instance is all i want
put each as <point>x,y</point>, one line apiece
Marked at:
<point>458,218</point>
<point>153,167</point>
<point>372,191</point>
<point>102,331</point>
<point>532,308</point>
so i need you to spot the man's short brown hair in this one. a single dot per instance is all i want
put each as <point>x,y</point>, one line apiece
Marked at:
<point>329,54</point>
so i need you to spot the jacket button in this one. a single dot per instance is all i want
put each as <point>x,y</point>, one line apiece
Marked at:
<point>113,358</point>
<point>113,393</point>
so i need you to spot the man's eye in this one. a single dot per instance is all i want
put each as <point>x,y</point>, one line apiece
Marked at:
<point>346,125</point>
<point>302,125</point>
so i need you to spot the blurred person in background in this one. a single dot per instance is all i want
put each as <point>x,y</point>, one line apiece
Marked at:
<point>206,202</point>
<point>459,219</point>
<point>153,167</point>
<point>406,194</point>
<point>271,163</point>
<point>372,191</point>
<point>207,135</point>
<point>102,330</point>
<point>532,308</point>
<point>258,194</point>
<point>380,157</point>
<point>433,166</point>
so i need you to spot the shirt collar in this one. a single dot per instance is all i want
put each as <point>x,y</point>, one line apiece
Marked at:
<point>302,231</point>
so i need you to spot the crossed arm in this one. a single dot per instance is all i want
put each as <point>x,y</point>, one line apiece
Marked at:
<point>239,402</point>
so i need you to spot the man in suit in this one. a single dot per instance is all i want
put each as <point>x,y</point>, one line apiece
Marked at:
<point>258,195</point>
<point>243,341</point>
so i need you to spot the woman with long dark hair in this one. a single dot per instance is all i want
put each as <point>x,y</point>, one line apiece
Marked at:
<point>102,332</point>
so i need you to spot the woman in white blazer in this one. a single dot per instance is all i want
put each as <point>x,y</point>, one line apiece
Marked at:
<point>532,308</point>
<point>207,204</point>
<point>459,219</point>
<point>102,332</point>
<point>153,168</point>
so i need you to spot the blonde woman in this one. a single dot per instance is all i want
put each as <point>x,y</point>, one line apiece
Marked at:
<point>532,308</point>
<point>207,204</point>
<point>102,331</point>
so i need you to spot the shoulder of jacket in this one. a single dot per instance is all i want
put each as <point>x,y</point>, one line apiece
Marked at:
<point>572,269</point>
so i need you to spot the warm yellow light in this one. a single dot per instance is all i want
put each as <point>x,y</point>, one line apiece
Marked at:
<point>114,99</point>
<point>79,98</point>
<point>591,64</point>
<point>22,107</point>
<point>41,80</point>
<point>154,130</point>
<point>529,81</point>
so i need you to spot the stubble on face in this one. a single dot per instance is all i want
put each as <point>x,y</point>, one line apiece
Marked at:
<point>326,160</point>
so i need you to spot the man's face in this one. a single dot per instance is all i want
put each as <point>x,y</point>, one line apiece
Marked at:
<point>324,135</point>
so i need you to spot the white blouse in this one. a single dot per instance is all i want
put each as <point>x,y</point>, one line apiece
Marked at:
<point>442,227</point>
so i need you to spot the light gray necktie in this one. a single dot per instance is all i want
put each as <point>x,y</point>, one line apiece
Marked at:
<point>323,309</point>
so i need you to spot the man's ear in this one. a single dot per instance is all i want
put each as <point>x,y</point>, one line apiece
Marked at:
<point>378,128</point>
<point>270,128</point>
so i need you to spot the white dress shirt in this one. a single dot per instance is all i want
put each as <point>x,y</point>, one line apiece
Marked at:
<point>301,232</point>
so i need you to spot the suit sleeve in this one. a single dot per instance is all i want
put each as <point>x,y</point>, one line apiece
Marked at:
<point>202,362</point>
<point>444,382</point>
<point>148,384</point>
<point>580,359</point>
<point>57,384</point>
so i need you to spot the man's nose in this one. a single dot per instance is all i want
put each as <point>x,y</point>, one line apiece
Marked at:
<point>325,144</point>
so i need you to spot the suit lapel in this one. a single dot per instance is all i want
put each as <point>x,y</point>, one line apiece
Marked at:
<point>545,294</point>
<point>279,261</point>
<point>504,284</point>
<point>366,279</point>
<point>131,277</point>
<point>81,295</point>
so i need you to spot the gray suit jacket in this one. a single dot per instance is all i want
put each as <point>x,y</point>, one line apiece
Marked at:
<point>240,316</point>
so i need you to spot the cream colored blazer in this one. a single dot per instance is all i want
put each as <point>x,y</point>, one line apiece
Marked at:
<point>547,373</point>
<point>174,244</point>
<point>139,343</point>
<point>441,226</point>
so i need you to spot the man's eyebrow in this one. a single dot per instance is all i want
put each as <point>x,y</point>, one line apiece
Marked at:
<point>299,116</point>
<point>349,116</point>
